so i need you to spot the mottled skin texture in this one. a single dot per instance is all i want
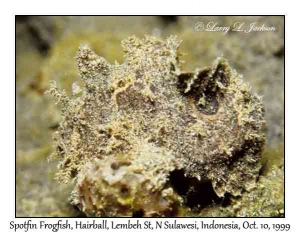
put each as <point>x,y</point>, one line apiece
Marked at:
<point>124,186</point>
<point>207,123</point>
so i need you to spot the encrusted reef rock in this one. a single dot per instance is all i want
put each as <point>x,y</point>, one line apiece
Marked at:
<point>132,126</point>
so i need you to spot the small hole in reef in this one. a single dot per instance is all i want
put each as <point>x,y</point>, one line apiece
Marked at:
<point>124,190</point>
<point>196,194</point>
<point>121,83</point>
<point>115,165</point>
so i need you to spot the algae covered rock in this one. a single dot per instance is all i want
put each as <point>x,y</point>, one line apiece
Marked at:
<point>132,127</point>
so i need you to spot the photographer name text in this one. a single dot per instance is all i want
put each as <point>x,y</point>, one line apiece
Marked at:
<point>236,27</point>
